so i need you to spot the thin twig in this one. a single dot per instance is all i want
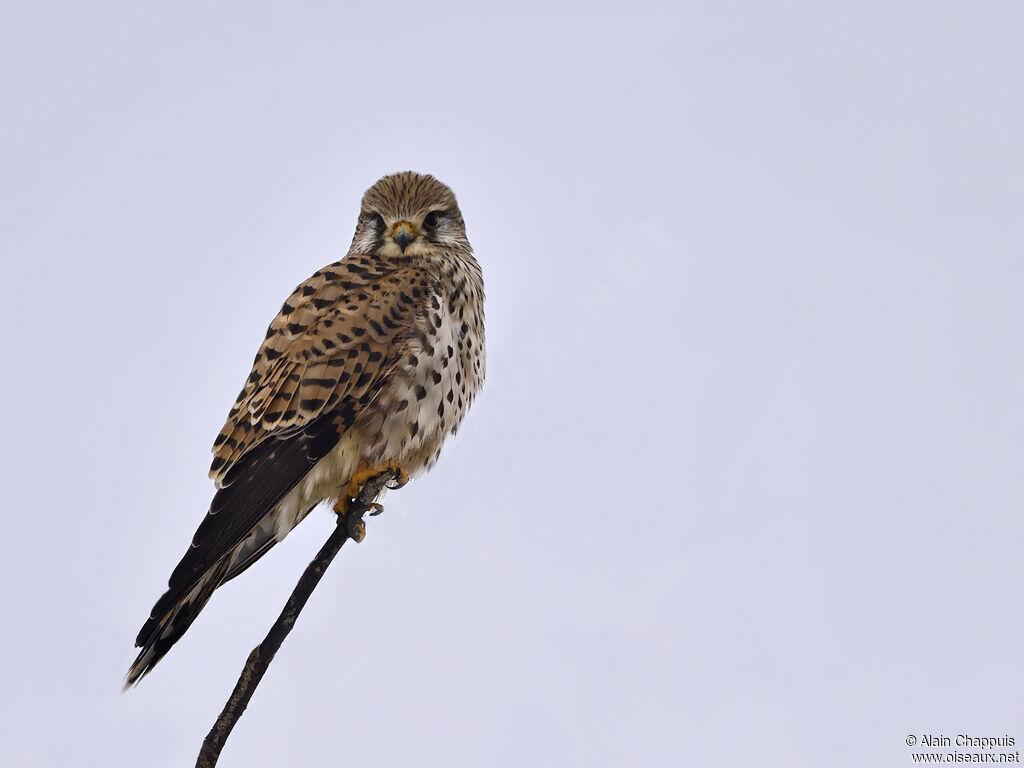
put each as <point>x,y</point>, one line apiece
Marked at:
<point>259,660</point>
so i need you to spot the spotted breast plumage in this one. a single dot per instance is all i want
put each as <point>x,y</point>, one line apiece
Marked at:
<point>370,365</point>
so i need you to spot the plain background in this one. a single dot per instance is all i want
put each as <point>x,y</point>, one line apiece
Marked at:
<point>744,483</point>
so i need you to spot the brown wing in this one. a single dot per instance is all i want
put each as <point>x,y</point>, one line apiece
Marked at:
<point>335,337</point>
<point>325,356</point>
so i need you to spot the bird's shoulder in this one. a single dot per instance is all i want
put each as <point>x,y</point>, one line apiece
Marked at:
<point>335,337</point>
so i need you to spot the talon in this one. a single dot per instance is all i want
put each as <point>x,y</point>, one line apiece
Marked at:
<point>401,478</point>
<point>365,472</point>
<point>356,528</point>
<point>358,532</point>
<point>341,506</point>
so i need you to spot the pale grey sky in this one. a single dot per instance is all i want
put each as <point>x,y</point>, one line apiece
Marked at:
<point>744,484</point>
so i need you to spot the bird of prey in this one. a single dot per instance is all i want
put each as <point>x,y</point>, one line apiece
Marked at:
<point>369,366</point>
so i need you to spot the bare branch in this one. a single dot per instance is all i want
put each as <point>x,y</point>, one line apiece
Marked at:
<point>259,660</point>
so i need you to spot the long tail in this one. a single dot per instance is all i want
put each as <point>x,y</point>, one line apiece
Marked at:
<point>179,606</point>
<point>172,615</point>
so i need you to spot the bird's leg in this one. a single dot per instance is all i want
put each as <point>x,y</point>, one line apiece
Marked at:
<point>363,473</point>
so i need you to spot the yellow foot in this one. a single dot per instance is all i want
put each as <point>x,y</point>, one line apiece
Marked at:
<point>355,486</point>
<point>358,533</point>
<point>342,505</point>
<point>358,530</point>
<point>365,472</point>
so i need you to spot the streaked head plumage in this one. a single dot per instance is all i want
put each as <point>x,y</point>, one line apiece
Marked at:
<point>409,214</point>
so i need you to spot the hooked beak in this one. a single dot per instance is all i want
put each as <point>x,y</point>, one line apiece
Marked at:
<point>403,234</point>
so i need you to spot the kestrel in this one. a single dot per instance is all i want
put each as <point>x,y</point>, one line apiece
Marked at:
<point>369,366</point>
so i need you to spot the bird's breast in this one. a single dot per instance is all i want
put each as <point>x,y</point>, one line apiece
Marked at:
<point>429,392</point>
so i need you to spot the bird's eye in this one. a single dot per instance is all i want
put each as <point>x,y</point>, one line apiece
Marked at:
<point>431,220</point>
<point>377,220</point>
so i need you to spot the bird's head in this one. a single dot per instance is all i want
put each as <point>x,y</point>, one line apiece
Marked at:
<point>408,215</point>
